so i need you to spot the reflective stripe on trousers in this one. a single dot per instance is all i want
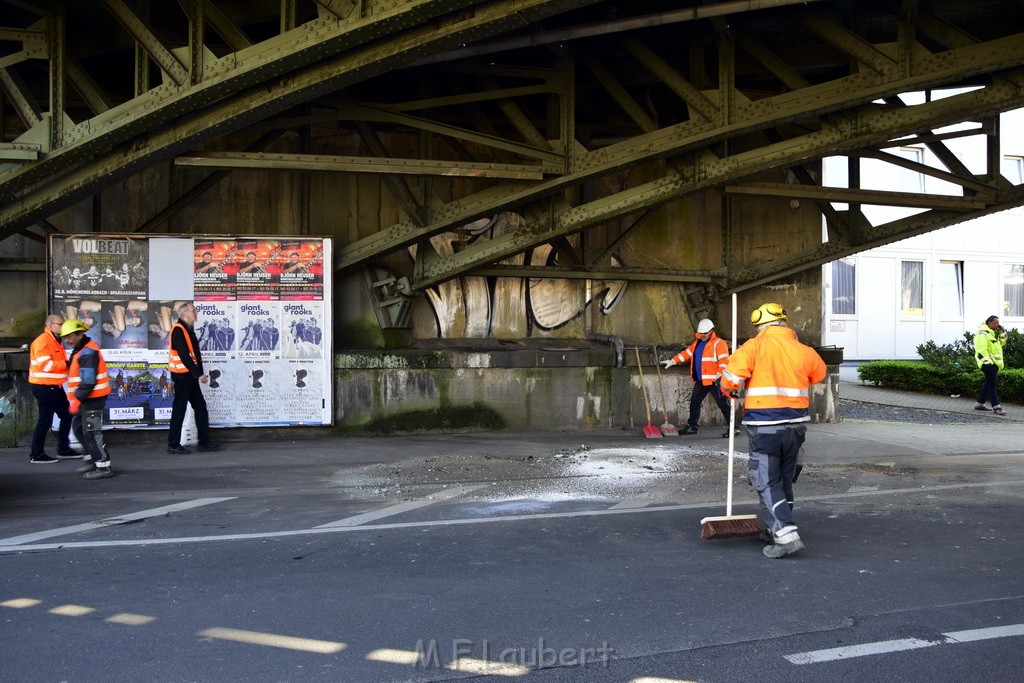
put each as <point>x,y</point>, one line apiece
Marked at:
<point>773,458</point>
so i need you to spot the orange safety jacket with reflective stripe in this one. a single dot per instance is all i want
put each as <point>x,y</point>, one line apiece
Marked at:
<point>776,369</point>
<point>174,363</point>
<point>712,362</point>
<point>48,362</point>
<point>102,386</point>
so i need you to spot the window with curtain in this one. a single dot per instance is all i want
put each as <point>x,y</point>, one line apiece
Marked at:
<point>950,290</point>
<point>1013,290</point>
<point>844,286</point>
<point>912,289</point>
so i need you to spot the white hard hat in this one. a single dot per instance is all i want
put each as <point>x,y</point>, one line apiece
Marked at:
<point>705,325</point>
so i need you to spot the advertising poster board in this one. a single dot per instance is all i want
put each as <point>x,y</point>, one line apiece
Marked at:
<point>264,334</point>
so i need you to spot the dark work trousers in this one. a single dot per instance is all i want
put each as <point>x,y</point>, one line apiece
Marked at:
<point>186,390</point>
<point>988,387</point>
<point>774,452</point>
<point>697,397</point>
<point>51,401</point>
<point>88,426</point>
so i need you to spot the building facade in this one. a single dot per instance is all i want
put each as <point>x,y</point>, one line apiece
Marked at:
<point>883,303</point>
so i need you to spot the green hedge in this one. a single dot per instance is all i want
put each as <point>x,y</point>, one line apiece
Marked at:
<point>913,375</point>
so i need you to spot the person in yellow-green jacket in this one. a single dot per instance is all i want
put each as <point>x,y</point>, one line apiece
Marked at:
<point>989,341</point>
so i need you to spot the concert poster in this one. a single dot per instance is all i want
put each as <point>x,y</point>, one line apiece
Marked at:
<point>302,270</point>
<point>215,269</point>
<point>99,267</point>
<point>259,269</point>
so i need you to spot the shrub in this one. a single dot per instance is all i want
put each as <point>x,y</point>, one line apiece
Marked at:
<point>960,354</point>
<point>913,375</point>
<point>1013,352</point>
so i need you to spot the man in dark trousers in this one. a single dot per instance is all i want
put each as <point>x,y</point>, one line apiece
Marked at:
<point>88,387</point>
<point>47,372</point>
<point>776,371</point>
<point>707,357</point>
<point>185,363</point>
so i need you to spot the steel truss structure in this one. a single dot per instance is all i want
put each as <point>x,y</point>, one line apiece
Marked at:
<point>547,108</point>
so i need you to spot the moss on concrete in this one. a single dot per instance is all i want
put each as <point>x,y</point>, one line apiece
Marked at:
<point>467,418</point>
<point>360,334</point>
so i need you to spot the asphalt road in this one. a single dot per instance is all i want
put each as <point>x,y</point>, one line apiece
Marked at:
<point>529,558</point>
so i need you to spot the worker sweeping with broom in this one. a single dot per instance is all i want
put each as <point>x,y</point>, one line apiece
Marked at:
<point>776,370</point>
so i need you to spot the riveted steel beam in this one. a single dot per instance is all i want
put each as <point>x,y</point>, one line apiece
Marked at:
<point>138,30</point>
<point>815,100</point>
<point>267,161</point>
<point>842,194</point>
<point>703,171</point>
<point>253,105</point>
<point>225,28</point>
<point>872,237</point>
<point>624,273</point>
<point>358,112</point>
<point>850,43</point>
<point>340,43</point>
<point>57,57</point>
<point>18,93</point>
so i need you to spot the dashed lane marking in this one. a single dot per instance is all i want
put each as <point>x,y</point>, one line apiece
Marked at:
<point>111,521</point>
<point>476,520</point>
<point>446,494</point>
<point>887,646</point>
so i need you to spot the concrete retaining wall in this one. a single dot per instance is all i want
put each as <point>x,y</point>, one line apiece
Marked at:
<point>561,388</point>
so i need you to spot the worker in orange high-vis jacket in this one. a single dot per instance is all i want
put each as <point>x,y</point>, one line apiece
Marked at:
<point>712,354</point>
<point>185,361</point>
<point>776,371</point>
<point>47,372</point>
<point>88,388</point>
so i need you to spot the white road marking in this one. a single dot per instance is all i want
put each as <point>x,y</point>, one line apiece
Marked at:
<point>111,521</point>
<point>862,650</point>
<point>985,633</point>
<point>886,646</point>
<point>630,504</point>
<point>324,647</point>
<point>857,488</point>
<point>474,520</point>
<point>358,520</point>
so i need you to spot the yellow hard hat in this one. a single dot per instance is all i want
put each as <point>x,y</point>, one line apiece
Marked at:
<point>71,326</point>
<point>767,313</point>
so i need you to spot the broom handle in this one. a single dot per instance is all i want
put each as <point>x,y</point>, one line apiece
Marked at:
<point>647,406</point>
<point>661,386</point>
<point>732,420</point>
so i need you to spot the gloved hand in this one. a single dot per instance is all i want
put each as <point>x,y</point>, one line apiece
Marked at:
<point>668,363</point>
<point>74,405</point>
<point>735,393</point>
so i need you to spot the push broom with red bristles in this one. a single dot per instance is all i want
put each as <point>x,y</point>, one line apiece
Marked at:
<point>650,431</point>
<point>730,525</point>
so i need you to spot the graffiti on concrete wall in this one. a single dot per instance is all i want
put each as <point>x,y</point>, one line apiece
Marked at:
<point>508,307</point>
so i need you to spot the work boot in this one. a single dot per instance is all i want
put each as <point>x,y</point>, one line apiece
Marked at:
<point>786,542</point>
<point>87,465</point>
<point>101,470</point>
<point>177,450</point>
<point>688,429</point>
<point>980,406</point>
<point>725,434</point>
